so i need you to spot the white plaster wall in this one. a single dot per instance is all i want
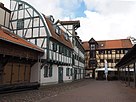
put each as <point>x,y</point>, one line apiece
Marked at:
<point>50,80</point>
<point>76,49</point>
<point>7,19</point>
<point>35,72</point>
<point>82,73</point>
<point>45,54</point>
<point>2,16</point>
<point>66,78</point>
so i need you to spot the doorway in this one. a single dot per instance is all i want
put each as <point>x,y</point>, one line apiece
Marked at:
<point>60,74</point>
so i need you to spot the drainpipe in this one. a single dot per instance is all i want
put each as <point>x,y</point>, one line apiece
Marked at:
<point>135,75</point>
<point>125,74</point>
<point>128,76</point>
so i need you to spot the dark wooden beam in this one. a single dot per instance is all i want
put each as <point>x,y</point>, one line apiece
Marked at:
<point>135,75</point>
<point>17,51</point>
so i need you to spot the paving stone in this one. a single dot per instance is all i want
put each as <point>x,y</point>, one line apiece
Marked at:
<point>86,90</point>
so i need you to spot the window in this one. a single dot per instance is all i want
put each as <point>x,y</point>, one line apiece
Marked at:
<point>67,71</point>
<point>54,47</point>
<point>20,24</point>
<point>117,60</point>
<point>45,71</point>
<point>101,52</point>
<point>126,51</point>
<point>58,30</point>
<point>48,71</point>
<point>71,72</point>
<point>51,18</point>
<point>110,60</point>
<point>117,51</point>
<point>92,46</point>
<point>101,60</point>
<point>60,49</point>
<point>92,54</point>
<point>20,6</point>
<point>65,52</point>
<point>66,36</point>
<point>109,52</point>
<point>69,53</point>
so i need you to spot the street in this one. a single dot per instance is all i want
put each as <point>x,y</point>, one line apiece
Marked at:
<point>86,90</point>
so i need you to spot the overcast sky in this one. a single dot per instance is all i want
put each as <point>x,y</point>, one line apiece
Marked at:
<point>100,19</point>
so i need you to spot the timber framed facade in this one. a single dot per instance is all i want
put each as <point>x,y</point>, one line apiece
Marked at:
<point>53,37</point>
<point>98,51</point>
<point>78,53</point>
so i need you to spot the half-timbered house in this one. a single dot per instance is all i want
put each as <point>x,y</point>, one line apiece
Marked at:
<point>99,51</point>
<point>52,37</point>
<point>19,59</point>
<point>78,53</point>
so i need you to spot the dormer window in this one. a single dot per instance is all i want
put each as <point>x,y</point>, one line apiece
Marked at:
<point>52,19</point>
<point>92,46</point>
<point>102,45</point>
<point>20,6</point>
<point>66,36</point>
<point>58,30</point>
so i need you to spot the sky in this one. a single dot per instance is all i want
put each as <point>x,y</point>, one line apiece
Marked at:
<point>100,19</point>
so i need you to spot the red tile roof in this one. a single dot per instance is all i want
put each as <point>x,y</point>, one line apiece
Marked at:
<point>10,37</point>
<point>60,38</point>
<point>86,45</point>
<point>111,44</point>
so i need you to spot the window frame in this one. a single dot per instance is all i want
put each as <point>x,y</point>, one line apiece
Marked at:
<point>58,30</point>
<point>48,71</point>
<point>20,24</point>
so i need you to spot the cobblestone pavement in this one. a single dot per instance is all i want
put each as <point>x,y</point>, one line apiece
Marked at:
<point>79,91</point>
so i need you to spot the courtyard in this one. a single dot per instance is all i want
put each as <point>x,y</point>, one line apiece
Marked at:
<point>87,90</point>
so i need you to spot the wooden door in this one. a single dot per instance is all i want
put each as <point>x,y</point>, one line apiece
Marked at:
<point>15,73</point>
<point>60,74</point>
<point>22,73</point>
<point>7,73</point>
<point>27,73</point>
<point>0,77</point>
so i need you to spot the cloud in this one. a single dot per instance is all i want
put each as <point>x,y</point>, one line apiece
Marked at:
<point>103,27</point>
<point>48,7</point>
<point>109,6</point>
<point>6,3</point>
<point>104,19</point>
<point>108,19</point>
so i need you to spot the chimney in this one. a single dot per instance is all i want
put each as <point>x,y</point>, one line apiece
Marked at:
<point>1,4</point>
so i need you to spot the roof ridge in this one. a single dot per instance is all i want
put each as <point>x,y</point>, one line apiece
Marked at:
<point>113,39</point>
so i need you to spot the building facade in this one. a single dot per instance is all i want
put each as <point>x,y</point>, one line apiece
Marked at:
<point>78,53</point>
<point>5,16</point>
<point>127,68</point>
<point>19,59</point>
<point>99,51</point>
<point>53,37</point>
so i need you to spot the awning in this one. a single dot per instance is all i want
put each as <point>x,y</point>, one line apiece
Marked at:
<point>103,69</point>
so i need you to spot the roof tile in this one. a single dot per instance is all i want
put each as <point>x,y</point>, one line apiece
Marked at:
<point>10,37</point>
<point>111,44</point>
<point>60,38</point>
